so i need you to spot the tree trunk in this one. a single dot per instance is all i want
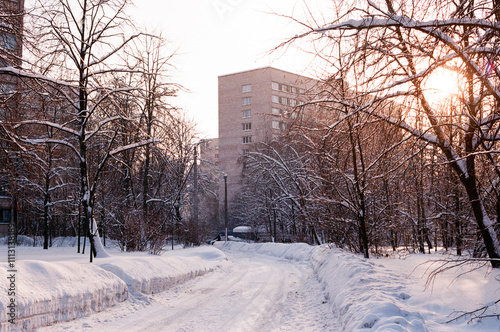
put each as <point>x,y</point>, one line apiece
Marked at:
<point>484,223</point>
<point>363,234</point>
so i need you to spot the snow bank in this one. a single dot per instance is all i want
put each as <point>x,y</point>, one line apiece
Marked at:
<point>53,291</point>
<point>154,274</point>
<point>364,294</point>
<point>297,251</point>
<point>48,292</point>
<point>22,240</point>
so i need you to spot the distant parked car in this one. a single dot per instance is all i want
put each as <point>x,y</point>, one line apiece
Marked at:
<point>221,236</point>
<point>223,233</point>
<point>244,232</point>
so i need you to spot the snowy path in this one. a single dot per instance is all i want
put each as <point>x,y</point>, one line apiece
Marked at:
<point>254,293</point>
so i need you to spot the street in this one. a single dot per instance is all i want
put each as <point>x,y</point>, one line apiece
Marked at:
<point>253,293</point>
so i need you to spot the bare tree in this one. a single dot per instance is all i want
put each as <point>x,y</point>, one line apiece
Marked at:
<point>396,46</point>
<point>84,37</point>
<point>153,65</point>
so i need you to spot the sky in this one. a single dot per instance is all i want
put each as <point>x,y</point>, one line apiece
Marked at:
<point>218,37</point>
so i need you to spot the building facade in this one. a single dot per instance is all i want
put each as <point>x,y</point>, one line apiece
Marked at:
<point>11,28</point>
<point>11,31</point>
<point>254,106</point>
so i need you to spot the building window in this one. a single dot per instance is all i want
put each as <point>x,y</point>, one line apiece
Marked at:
<point>7,89</point>
<point>247,113</point>
<point>246,88</point>
<point>284,101</point>
<point>8,41</point>
<point>3,190</point>
<point>247,139</point>
<point>5,216</point>
<point>5,25</point>
<point>287,88</point>
<point>246,101</point>
<point>277,111</point>
<point>247,126</point>
<point>278,125</point>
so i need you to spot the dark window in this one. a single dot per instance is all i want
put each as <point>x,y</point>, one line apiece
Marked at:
<point>7,89</point>
<point>5,216</point>
<point>8,41</point>
<point>3,190</point>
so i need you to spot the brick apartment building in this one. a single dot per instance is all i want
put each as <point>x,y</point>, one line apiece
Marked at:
<point>11,26</point>
<point>252,108</point>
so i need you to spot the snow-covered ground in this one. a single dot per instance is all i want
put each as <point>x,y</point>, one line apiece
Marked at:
<point>58,285</point>
<point>242,287</point>
<point>392,294</point>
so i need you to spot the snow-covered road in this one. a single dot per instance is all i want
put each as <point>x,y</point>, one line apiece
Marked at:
<point>238,286</point>
<point>253,293</point>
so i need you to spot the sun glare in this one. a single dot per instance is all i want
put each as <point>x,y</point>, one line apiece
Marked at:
<point>441,85</point>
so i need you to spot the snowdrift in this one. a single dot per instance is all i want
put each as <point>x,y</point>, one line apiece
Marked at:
<point>154,274</point>
<point>47,292</point>
<point>50,292</point>
<point>364,294</point>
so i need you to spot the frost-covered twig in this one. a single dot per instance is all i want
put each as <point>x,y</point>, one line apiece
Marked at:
<point>444,265</point>
<point>477,314</point>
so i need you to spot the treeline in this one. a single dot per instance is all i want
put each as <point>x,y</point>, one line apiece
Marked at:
<point>90,143</point>
<point>359,183</point>
<point>385,160</point>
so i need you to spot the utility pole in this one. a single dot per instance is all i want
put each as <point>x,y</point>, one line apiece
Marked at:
<point>225,203</point>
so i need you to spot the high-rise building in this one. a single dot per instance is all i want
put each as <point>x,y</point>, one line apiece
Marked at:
<point>254,106</point>
<point>11,27</point>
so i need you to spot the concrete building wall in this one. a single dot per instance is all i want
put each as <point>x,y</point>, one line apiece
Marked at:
<point>272,94</point>
<point>11,30</point>
<point>11,49</point>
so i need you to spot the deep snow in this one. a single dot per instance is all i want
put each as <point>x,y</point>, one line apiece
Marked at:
<point>392,294</point>
<point>378,294</point>
<point>59,285</point>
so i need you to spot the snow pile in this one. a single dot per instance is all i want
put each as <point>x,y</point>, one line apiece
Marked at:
<point>22,240</point>
<point>154,274</point>
<point>47,292</point>
<point>297,251</point>
<point>387,294</point>
<point>53,291</point>
<point>366,295</point>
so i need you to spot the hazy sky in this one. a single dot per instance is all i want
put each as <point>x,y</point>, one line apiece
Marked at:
<point>217,37</point>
